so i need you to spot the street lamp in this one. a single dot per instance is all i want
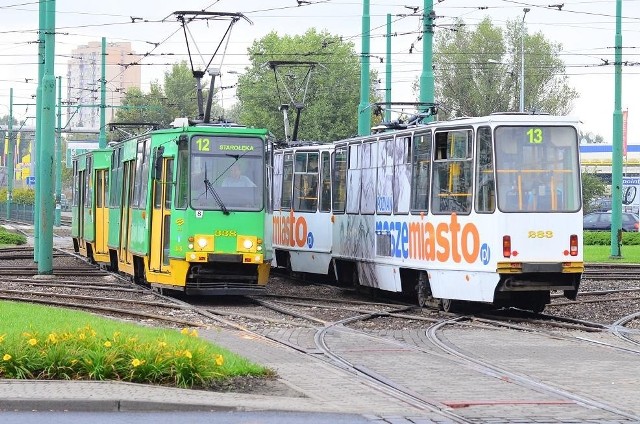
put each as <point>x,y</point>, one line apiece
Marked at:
<point>525,10</point>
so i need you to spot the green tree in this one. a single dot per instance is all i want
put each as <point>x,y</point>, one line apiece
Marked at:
<point>477,72</point>
<point>176,98</point>
<point>592,188</point>
<point>332,98</point>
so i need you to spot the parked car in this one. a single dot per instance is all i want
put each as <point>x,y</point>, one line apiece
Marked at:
<point>601,221</point>
<point>602,204</point>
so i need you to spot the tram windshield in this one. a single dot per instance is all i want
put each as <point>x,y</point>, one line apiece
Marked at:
<point>537,169</point>
<point>227,173</point>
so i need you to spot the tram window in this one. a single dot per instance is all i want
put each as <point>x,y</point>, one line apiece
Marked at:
<point>401,175</point>
<point>182,186</point>
<point>168,183</point>
<point>353,179</point>
<point>384,191</point>
<point>367,194</point>
<point>287,181</point>
<point>88,197</point>
<point>99,189</point>
<point>421,165</point>
<point>277,180</point>
<point>339,182</point>
<point>305,182</point>
<point>537,168</point>
<point>144,178</point>
<point>137,184</point>
<point>485,184</point>
<point>74,199</point>
<point>452,172</point>
<point>325,192</point>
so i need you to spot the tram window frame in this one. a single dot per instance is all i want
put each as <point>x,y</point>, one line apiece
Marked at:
<point>167,183</point>
<point>76,182</point>
<point>325,185</point>
<point>421,176</point>
<point>339,179</point>
<point>368,152</point>
<point>453,166</point>
<point>182,186</point>
<point>88,188</point>
<point>305,181</point>
<point>353,179</point>
<point>278,162</point>
<point>144,178</point>
<point>485,182</point>
<point>402,171</point>
<point>384,184</point>
<point>287,182</point>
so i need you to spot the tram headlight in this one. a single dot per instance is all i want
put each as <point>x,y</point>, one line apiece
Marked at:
<point>247,244</point>
<point>202,242</point>
<point>191,246</point>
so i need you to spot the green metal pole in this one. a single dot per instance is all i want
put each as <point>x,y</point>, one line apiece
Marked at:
<point>387,88</point>
<point>426,77</point>
<point>58,163</point>
<point>102,139</point>
<point>42,22</point>
<point>616,151</point>
<point>364,111</point>
<point>48,133</point>
<point>10,159</point>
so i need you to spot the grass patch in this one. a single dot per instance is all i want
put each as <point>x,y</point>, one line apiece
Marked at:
<point>40,342</point>
<point>9,238</point>
<point>602,253</point>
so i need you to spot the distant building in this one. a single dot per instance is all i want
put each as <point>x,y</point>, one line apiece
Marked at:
<point>83,81</point>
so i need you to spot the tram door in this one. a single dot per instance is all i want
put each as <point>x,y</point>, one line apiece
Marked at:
<point>161,218</point>
<point>102,214</point>
<point>125,211</point>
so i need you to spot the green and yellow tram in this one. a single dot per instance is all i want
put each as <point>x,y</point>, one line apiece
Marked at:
<point>184,208</point>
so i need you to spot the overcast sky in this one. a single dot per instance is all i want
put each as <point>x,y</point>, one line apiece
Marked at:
<point>586,29</point>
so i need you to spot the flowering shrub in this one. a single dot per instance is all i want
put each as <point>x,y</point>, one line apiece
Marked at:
<point>86,354</point>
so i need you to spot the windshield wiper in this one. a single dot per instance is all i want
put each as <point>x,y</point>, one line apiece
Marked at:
<point>209,189</point>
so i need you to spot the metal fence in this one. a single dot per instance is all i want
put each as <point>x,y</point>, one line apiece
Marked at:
<point>22,213</point>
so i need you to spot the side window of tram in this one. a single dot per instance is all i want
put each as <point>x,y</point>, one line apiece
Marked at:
<point>182,186</point>
<point>485,200</point>
<point>452,172</point>
<point>305,182</point>
<point>287,181</point>
<point>421,165</point>
<point>339,182</point>
<point>325,195</point>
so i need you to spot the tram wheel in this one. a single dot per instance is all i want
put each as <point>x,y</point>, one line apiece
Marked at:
<point>447,304</point>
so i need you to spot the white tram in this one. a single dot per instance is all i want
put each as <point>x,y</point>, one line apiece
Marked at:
<point>483,209</point>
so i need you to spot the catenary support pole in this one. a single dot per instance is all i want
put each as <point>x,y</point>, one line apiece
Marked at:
<point>364,109</point>
<point>426,77</point>
<point>42,23</point>
<point>387,81</point>
<point>58,158</point>
<point>102,139</point>
<point>616,150</point>
<point>10,158</point>
<point>46,157</point>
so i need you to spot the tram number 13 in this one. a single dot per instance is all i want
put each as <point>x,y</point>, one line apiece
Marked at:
<point>540,234</point>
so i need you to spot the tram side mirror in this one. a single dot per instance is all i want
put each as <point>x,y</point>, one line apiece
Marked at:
<point>157,163</point>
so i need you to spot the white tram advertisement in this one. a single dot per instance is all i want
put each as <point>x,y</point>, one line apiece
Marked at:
<point>478,209</point>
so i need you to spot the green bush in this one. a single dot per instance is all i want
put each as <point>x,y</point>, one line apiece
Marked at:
<point>21,196</point>
<point>603,238</point>
<point>7,237</point>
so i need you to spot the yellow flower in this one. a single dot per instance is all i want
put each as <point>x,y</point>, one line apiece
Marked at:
<point>194,333</point>
<point>116,334</point>
<point>162,344</point>
<point>219,360</point>
<point>81,336</point>
<point>187,354</point>
<point>6,357</point>
<point>52,338</point>
<point>107,344</point>
<point>136,362</point>
<point>74,361</point>
<point>2,338</point>
<point>185,331</point>
<point>32,342</point>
